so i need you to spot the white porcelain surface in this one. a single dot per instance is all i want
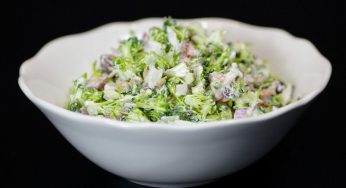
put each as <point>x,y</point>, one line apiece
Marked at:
<point>175,155</point>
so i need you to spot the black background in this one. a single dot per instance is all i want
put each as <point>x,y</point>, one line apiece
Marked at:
<point>313,154</point>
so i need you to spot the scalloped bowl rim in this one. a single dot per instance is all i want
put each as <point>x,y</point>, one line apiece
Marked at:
<point>181,125</point>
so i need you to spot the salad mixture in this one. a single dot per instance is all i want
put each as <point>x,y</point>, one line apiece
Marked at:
<point>179,72</point>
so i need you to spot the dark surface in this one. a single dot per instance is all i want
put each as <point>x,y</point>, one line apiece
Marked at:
<point>313,154</point>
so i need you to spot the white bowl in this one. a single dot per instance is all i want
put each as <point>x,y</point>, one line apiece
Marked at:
<point>178,155</point>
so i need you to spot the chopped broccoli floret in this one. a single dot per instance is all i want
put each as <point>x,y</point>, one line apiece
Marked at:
<point>179,72</point>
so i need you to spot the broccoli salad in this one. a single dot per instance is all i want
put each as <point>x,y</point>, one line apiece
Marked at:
<point>179,72</point>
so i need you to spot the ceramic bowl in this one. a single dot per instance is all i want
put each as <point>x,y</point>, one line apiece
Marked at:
<point>175,155</point>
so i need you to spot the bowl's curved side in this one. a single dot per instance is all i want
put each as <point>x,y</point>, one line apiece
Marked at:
<point>158,153</point>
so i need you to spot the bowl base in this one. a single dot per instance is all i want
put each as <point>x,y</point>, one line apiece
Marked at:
<point>170,185</point>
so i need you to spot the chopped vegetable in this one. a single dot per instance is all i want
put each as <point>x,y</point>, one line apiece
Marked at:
<point>179,73</point>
